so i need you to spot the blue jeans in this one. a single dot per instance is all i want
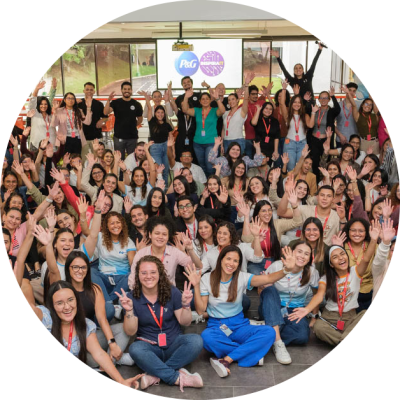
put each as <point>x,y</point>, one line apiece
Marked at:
<point>241,142</point>
<point>166,363</point>
<point>249,149</point>
<point>270,310</point>
<point>257,268</point>
<point>278,162</point>
<point>110,312</point>
<point>121,281</point>
<point>202,151</point>
<point>247,344</point>
<point>159,152</point>
<point>294,150</point>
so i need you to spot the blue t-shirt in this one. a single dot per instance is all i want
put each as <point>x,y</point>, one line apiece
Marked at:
<point>148,328</point>
<point>75,346</point>
<point>210,126</point>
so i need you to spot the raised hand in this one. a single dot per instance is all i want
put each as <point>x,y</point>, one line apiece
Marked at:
<point>125,301</point>
<point>66,159</point>
<point>275,174</point>
<point>54,83</point>
<point>189,93</point>
<point>55,105</point>
<point>223,196</point>
<point>249,77</point>
<point>187,294</point>
<point>91,160</point>
<point>243,208</point>
<point>42,235</point>
<point>332,91</point>
<point>315,108</point>
<point>40,85</point>
<point>345,89</point>
<point>255,226</point>
<point>17,167</point>
<point>257,146</point>
<point>62,137</point>
<point>142,244</point>
<point>171,141</point>
<point>285,158</point>
<point>111,96</point>
<point>14,140</point>
<point>305,152</point>
<point>292,197</point>
<point>217,168</point>
<point>144,94</point>
<point>82,205</point>
<point>341,211</point>
<point>218,141</point>
<point>160,169</point>
<point>31,113</point>
<point>288,259</point>
<point>205,193</point>
<point>128,204</point>
<point>53,192</point>
<point>366,169</point>
<point>51,219</point>
<point>328,132</point>
<point>160,184</point>
<point>307,96</point>
<point>31,223</point>
<point>387,209</point>
<point>187,242</point>
<point>285,84</point>
<point>7,194</point>
<point>117,156</point>
<point>43,144</point>
<point>351,173</point>
<point>57,175</point>
<point>49,151</point>
<point>289,184</point>
<point>178,242</point>
<point>100,200</point>
<point>324,172</point>
<point>192,274</point>
<point>204,84</point>
<point>274,53</point>
<point>339,239</point>
<point>336,184</point>
<point>369,186</point>
<point>374,230</point>
<point>388,232</point>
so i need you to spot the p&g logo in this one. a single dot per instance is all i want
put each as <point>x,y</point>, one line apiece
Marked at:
<point>187,63</point>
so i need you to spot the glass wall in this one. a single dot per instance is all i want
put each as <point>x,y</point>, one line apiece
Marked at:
<point>336,72</point>
<point>322,74</point>
<point>53,72</point>
<point>256,59</point>
<point>143,64</point>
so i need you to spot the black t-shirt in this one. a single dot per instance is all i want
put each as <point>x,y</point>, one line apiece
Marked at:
<point>87,304</point>
<point>13,260</point>
<point>159,132</point>
<point>126,114</point>
<point>220,121</point>
<point>90,131</point>
<point>272,124</point>
<point>190,123</point>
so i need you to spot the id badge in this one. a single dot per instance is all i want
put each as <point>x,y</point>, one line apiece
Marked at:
<point>267,264</point>
<point>298,233</point>
<point>287,141</point>
<point>162,339</point>
<point>318,134</point>
<point>48,134</point>
<point>284,312</point>
<point>267,139</point>
<point>346,124</point>
<point>120,140</point>
<point>368,137</point>
<point>73,134</point>
<point>297,137</point>
<point>203,133</point>
<point>226,330</point>
<point>187,142</point>
<point>340,325</point>
<point>111,280</point>
<point>226,133</point>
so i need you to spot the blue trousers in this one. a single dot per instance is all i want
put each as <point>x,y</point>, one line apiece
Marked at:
<point>249,149</point>
<point>241,142</point>
<point>165,363</point>
<point>247,344</point>
<point>202,151</point>
<point>257,268</point>
<point>121,281</point>
<point>270,310</point>
<point>159,152</point>
<point>294,150</point>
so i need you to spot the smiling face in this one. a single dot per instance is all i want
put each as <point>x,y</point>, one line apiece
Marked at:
<point>298,70</point>
<point>108,158</point>
<point>186,158</point>
<point>301,190</point>
<point>296,105</point>
<point>324,99</point>
<point>69,100</point>
<point>148,275</point>
<point>357,233</point>
<point>126,91</point>
<point>185,209</point>
<point>268,110</point>
<point>140,154</point>
<point>256,186</point>
<point>350,191</point>
<point>78,270</point>
<point>156,199</point>
<point>205,230</point>
<point>160,235</point>
<point>138,178</point>
<point>341,188</point>
<point>367,106</point>
<point>10,182</point>
<point>66,221</point>
<point>265,214</point>
<point>97,174</point>
<point>307,165</point>
<point>325,198</point>
<point>230,263</point>
<point>138,217</point>
<point>179,187</point>
<point>355,142</point>
<point>212,185</point>
<point>311,232</point>
<point>253,96</point>
<point>64,244</point>
<point>240,170</point>
<point>205,101</point>
<point>186,84</point>
<point>347,154</point>
<point>64,303</point>
<point>188,175</point>
<point>157,97</point>
<point>232,101</point>
<point>16,202</point>
<point>339,261</point>
<point>302,254</point>
<point>377,178</point>
<point>333,170</point>
<point>146,166</point>
<point>377,210</point>
<point>114,225</point>
<point>234,152</point>
<point>223,236</point>
<point>370,162</point>
<point>43,106</point>
<point>59,197</point>
<point>159,114</point>
<point>110,184</point>
<point>12,220</point>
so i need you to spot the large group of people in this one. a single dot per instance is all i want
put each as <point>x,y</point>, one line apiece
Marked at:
<point>116,248</point>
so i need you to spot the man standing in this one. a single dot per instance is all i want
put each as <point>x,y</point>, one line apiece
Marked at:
<point>92,131</point>
<point>128,115</point>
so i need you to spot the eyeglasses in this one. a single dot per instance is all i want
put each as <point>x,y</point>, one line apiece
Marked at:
<point>324,98</point>
<point>76,268</point>
<point>368,104</point>
<point>61,304</point>
<point>97,173</point>
<point>357,230</point>
<point>66,175</point>
<point>185,207</point>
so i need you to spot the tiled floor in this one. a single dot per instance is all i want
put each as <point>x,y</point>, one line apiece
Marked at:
<point>242,381</point>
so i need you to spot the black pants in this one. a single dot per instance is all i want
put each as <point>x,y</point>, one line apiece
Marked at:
<point>364,301</point>
<point>317,150</point>
<point>73,145</point>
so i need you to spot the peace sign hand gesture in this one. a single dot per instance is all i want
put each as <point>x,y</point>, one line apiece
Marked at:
<point>187,294</point>
<point>126,302</point>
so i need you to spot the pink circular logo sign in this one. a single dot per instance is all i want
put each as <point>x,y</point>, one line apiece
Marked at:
<point>212,63</point>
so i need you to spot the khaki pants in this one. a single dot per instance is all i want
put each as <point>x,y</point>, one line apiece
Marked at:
<point>37,290</point>
<point>366,143</point>
<point>331,336</point>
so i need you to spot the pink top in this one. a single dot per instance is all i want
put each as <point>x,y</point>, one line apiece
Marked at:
<point>17,239</point>
<point>382,135</point>
<point>172,258</point>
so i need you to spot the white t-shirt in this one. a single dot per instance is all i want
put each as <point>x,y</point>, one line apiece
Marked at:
<point>219,307</point>
<point>359,160</point>
<point>136,197</point>
<point>197,172</point>
<point>236,123</point>
<point>61,269</point>
<point>210,261</point>
<point>292,130</point>
<point>201,253</point>
<point>353,289</point>
<point>289,286</point>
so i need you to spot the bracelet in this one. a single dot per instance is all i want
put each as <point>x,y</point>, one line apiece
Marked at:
<point>185,305</point>
<point>52,231</point>
<point>42,149</point>
<point>49,200</point>
<point>97,211</point>
<point>285,271</point>
<point>313,113</point>
<point>129,310</point>
<point>293,208</point>
<point>83,220</point>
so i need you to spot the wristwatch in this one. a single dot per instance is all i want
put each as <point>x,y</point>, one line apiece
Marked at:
<point>112,340</point>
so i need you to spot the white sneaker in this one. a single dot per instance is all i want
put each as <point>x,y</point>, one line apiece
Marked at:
<point>281,354</point>
<point>197,318</point>
<point>126,359</point>
<point>118,311</point>
<point>256,322</point>
<point>261,362</point>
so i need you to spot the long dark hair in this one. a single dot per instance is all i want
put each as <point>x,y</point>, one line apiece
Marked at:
<point>98,166</point>
<point>24,210</point>
<point>8,173</point>
<point>228,157</point>
<point>193,185</point>
<point>304,199</point>
<point>161,209</point>
<point>156,127</point>
<point>307,268</point>
<point>350,223</point>
<point>249,196</point>
<point>275,249</point>
<point>361,189</point>
<point>215,277</point>
<point>185,183</point>
<point>319,249</point>
<point>39,102</point>
<point>79,320</point>
<point>144,185</point>
<point>199,242</point>
<point>360,109</point>
<point>218,179</point>
<point>375,159</point>
<point>280,189</point>
<point>287,100</point>
<point>75,109</point>
<point>346,146</point>
<point>331,275</point>
<point>356,152</point>
<point>231,182</point>
<point>302,112</point>
<point>384,176</point>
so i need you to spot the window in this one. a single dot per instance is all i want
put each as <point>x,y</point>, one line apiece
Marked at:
<point>336,72</point>
<point>143,64</point>
<point>112,67</point>
<point>53,72</point>
<point>256,59</point>
<point>78,67</point>
<point>322,73</point>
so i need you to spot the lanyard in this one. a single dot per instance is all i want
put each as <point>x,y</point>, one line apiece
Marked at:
<point>354,254</point>
<point>296,126</point>
<point>159,323</point>
<point>269,127</point>
<point>267,243</point>
<point>205,247</point>
<point>326,219</point>
<point>240,185</point>
<point>194,230</point>
<point>162,258</point>
<point>212,203</point>
<point>319,120</point>
<point>47,123</point>
<point>69,119</point>
<point>369,122</point>
<point>71,329</point>
<point>186,123</point>
<point>350,211</point>
<point>14,243</point>
<point>344,111</point>
<point>204,117</point>
<point>341,304</point>
<point>294,292</point>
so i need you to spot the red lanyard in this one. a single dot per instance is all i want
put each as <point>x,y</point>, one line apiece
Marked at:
<point>194,230</point>
<point>354,254</point>
<point>342,303</point>
<point>14,243</point>
<point>159,323</point>
<point>212,204</point>
<point>344,111</point>
<point>71,329</point>
<point>318,119</point>
<point>228,120</point>
<point>369,122</point>
<point>162,258</point>
<point>267,243</point>
<point>350,210</point>
<point>269,127</point>
<point>204,117</point>
<point>296,126</point>
<point>240,186</point>
<point>205,247</point>
<point>47,125</point>
<point>70,122</point>
<point>326,219</point>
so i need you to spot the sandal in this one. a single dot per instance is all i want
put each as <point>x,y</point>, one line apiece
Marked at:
<point>220,366</point>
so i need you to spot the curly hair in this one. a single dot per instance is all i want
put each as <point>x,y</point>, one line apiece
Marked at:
<point>164,285</point>
<point>123,236</point>
<point>235,239</point>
